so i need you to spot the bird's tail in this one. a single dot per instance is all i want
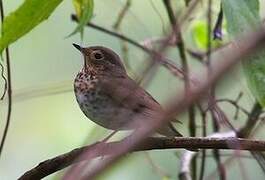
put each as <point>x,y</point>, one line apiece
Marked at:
<point>169,131</point>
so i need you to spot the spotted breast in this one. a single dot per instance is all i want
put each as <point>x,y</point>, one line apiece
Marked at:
<point>97,105</point>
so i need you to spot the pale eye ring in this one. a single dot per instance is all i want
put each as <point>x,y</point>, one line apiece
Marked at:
<point>97,55</point>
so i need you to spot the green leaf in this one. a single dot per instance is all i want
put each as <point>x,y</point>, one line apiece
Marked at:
<point>243,16</point>
<point>78,7</point>
<point>165,178</point>
<point>199,32</point>
<point>200,35</point>
<point>84,12</point>
<point>24,19</point>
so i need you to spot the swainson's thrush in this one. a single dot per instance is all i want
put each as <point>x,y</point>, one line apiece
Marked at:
<point>109,97</point>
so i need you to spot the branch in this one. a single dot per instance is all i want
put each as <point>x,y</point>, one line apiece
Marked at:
<point>253,118</point>
<point>50,166</point>
<point>9,88</point>
<point>179,42</point>
<point>251,121</point>
<point>187,156</point>
<point>217,31</point>
<point>117,27</point>
<point>236,105</point>
<point>5,81</point>
<point>122,14</point>
<point>115,34</point>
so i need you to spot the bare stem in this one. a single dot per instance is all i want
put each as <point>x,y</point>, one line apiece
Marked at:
<point>9,88</point>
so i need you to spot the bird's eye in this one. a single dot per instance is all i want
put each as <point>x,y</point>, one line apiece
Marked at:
<point>98,55</point>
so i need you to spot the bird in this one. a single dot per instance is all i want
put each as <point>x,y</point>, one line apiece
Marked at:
<point>109,97</point>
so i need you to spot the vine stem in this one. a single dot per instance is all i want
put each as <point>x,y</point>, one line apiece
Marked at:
<point>9,88</point>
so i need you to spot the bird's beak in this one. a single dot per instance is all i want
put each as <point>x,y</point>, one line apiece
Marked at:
<point>78,47</point>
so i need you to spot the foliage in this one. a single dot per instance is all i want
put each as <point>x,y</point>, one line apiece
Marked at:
<point>84,11</point>
<point>24,19</point>
<point>200,35</point>
<point>243,16</point>
<point>32,12</point>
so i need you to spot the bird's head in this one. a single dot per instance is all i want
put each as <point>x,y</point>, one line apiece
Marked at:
<point>101,59</point>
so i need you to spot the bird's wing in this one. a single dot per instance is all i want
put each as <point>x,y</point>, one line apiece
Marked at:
<point>128,94</point>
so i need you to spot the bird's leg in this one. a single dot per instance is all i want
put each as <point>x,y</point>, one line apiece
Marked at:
<point>106,139</point>
<point>109,136</point>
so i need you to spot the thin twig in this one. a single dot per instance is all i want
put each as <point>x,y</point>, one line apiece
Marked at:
<point>192,128</point>
<point>155,167</point>
<point>246,130</point>
<point>217,31</point>
<point>184,62</point>
<point>216,112</point>
<point>5,81</point>
<point>229,154</point>
<point>159,15</point>
<point>9,88</point>
<point>116,27</point>
<point>209,35</point>
<point>203,164</point>
<point>251,122</point>
<point>122,14</point>
<point>179,42</point>
<point>125,38</point>
<point>232,102</point>
<point>204,134</point>
<point>259,156</point>
<point>235,104</point>
<point>220,165</point>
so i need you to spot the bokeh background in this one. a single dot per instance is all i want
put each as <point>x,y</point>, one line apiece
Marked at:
<point>46,120</point>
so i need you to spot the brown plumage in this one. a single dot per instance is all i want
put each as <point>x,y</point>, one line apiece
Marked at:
<point>109,97</point>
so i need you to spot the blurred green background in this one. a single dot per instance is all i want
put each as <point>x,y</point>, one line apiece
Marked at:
<point>46,120</point>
